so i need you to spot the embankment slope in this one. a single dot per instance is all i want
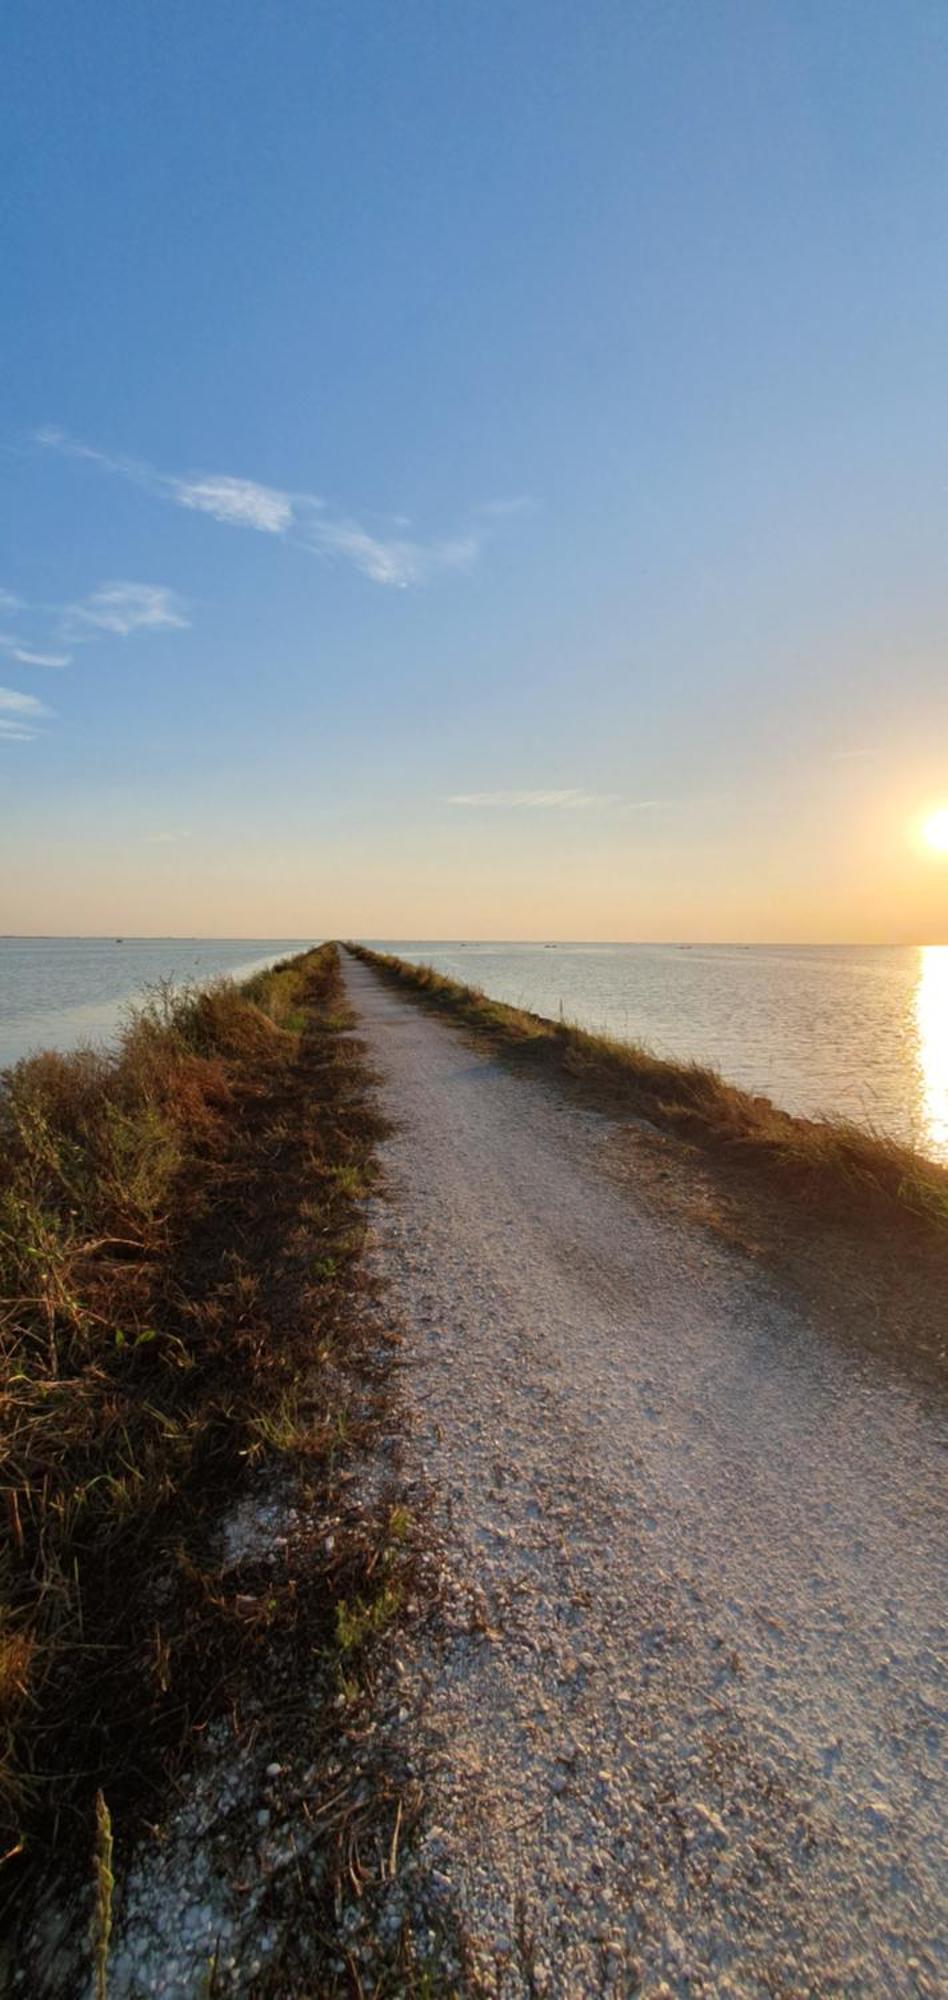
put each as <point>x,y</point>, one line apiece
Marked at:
<point>682,1725</point>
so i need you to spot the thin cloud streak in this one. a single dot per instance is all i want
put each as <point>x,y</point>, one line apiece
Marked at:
<point>17,714</point>
<point>241,503</point>
<point>304,518</point>
<point>662,805</point>
<point>123,608</point>
<point>28,658</point>
<point>15,703</point>
<point>396,562</point>
<point>566,799</point>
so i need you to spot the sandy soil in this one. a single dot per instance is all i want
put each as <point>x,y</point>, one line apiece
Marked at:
<point>682,1731</point>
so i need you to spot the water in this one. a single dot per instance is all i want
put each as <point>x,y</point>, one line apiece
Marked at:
<point>56,993</point>
<point>859,1031</point>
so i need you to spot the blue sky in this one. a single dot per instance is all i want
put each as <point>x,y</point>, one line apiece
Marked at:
<point>482,468</point>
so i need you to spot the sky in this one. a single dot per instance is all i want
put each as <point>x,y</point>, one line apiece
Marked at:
<point>474,470</point>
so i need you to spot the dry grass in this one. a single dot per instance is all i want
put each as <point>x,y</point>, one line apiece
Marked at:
<point>854,1226</point>
<point>178,1225</point>
<point>817,1159</point>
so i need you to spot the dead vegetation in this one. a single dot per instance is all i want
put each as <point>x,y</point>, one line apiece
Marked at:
<point>180,1228</point>
<point>856,1221</point>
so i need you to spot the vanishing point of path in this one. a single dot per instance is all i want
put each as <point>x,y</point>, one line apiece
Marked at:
<point>682,1732</point>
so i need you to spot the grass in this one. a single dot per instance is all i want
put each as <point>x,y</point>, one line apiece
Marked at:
<point>815,1160</point>
<point>104,1886</point>
<point>180,1233</point>
<point>364,1618</point>
<point>179,1238</point>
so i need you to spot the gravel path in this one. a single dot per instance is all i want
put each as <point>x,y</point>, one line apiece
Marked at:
<point>683,1734</point>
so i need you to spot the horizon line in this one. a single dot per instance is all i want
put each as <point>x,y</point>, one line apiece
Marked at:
<point>673,943</point>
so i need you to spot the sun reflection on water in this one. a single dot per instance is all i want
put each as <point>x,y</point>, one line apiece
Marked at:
<point>931,1019</point>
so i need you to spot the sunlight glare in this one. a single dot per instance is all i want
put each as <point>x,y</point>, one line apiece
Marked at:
<point>931,1019</point>
<point>935,830</point>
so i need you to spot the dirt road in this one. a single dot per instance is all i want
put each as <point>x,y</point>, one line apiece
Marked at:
<point>684,1732</point>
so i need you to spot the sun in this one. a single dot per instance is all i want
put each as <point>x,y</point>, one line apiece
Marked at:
<point>935,830</point>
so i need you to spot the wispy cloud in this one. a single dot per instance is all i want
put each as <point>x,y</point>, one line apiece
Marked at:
<point>396,561</point>
<point>12,702</point>
<point>392,560</point>
<point>135,469</point>
<point>663,805</point>
<point>123,608</point>
<point>570,797</point>
<point>28,657</point>
<point>239,502</point>
<point>18,712</point>
<point>120,608</point>
<point>168,836</point>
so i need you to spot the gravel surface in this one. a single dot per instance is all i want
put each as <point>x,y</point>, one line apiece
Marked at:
<point>682,1729</point>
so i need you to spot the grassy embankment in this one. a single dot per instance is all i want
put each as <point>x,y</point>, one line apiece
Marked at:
<point>861,1219</point>
<point>179,1234</point>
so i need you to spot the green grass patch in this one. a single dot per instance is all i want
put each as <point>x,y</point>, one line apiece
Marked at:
<point>365,1618</point>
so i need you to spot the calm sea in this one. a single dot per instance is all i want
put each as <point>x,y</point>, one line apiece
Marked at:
<point>856,1030</point>
<point>851,1029</point>
<point>58,992</point>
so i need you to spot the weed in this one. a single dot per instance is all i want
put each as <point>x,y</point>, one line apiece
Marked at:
<point>102,1905</point>
<point>352,1181</point>
<point>366,1618</point>
<point>399,1525</point>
